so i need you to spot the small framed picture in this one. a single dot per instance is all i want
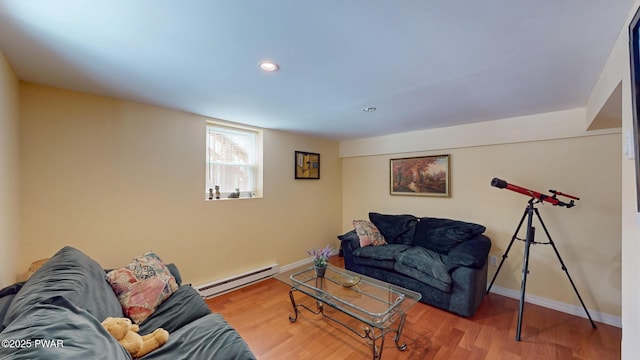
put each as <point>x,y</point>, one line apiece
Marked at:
<point>307,165</point>
<point>421,176</point>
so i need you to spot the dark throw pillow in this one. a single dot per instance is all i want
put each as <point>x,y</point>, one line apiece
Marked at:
<point>442,235</point>
<point>396,229</point>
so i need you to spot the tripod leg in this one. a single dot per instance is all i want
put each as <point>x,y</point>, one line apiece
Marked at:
<point>531,233</point>
<point>506,253</point>
<point>564,268</point>
<point>525,271</point>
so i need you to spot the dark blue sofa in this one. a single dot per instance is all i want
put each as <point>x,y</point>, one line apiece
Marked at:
<point>444,260</point>
<point>57,314</point>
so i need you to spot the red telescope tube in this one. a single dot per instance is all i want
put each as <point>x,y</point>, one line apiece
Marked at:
<point>502,184</point>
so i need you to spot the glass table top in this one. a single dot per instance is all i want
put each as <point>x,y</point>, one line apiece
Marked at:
<point>371,301</point>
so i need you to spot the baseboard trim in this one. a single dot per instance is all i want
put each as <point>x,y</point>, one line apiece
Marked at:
<point>560,306</point>
<point>294,265</point>
<point>533,299</point>
<point>303,262</point>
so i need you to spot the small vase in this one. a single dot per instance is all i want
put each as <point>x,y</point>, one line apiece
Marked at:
<point>320,270</point>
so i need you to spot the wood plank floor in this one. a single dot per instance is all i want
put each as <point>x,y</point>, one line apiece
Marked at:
<point>260,313</point>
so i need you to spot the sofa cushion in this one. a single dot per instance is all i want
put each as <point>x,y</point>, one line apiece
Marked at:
<point>378,256</point>
<point>386,252</point>
<point>181,308</point>
<point>396,229</point>
<point>424,265</point>
<point>142,286</point>
<point>472,253</point>
<point>383,264</point>
<point>70,274</point>
<point>209,337</point>
<point>368,233</point>
<point>442,235</point>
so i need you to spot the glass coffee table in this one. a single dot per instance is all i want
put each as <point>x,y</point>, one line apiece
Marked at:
<point>379,308</point>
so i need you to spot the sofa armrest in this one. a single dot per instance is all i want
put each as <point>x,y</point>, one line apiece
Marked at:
<point>472,253</point>
<point>349,242</point>
<point>6,296</point>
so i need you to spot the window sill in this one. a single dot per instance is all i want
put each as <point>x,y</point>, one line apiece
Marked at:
<point>232,199</point>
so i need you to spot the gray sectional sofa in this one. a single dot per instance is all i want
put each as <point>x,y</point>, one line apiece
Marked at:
<point>445,260</point>
<point>57,314</point>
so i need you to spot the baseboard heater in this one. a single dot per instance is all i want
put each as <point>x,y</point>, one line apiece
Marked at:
<point>222,286</point>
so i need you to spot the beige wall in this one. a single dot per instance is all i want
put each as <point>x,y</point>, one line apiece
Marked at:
<point>9,205</point>
<point>587,235</point>
<point>117,178</point>
<point>616,70</point>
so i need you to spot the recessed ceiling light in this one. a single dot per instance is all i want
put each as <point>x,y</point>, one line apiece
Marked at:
<point>268,66</point>
<point>369,109</point>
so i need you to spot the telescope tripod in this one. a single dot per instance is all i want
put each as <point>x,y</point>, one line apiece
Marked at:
<point>530,239</point>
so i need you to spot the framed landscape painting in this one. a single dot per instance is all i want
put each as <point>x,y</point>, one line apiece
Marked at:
<point>421,176</point>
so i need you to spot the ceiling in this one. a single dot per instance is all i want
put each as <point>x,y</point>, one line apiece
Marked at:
<point>421,63</point>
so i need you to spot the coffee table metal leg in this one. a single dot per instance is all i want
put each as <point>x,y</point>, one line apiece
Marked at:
<point>293,317</point>
<point>400,347</point>
<point>370,334</point>
<point>295,306</point>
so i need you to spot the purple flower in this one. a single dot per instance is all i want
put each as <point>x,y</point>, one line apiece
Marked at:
<point>320,256</point>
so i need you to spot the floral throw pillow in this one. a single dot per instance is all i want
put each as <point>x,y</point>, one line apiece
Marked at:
<point>142,286</point>
<point>368,233</point>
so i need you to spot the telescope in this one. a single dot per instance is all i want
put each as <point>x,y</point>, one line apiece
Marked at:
<point>528,214</point>
<point>552,199</point>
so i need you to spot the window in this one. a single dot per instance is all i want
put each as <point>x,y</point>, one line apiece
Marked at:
<point>234,157</point>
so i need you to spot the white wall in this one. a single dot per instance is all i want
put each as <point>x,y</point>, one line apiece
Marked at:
<point>540,152</point>
<point>616,70</point>
<point>554,125</point>
<point>9,206</point>
<point>116,178</point>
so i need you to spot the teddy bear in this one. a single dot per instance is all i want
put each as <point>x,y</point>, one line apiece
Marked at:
<point>127,335</point>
